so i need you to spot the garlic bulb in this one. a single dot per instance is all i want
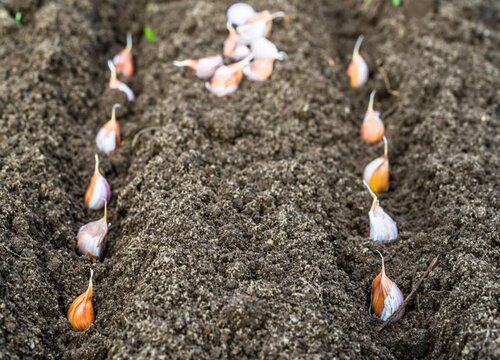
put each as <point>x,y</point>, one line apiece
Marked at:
<point>376,173</point>
<point>81,311</point>
<point>123,61</point>
<point>372,128</point>
<point>357,70</point>
<point>386,296</point>
<point>99,192</point>
<point>382,226</point>
<point>204,68</point>
<point>91,238</point>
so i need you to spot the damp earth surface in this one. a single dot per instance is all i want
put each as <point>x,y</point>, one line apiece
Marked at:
<point>239,224</point>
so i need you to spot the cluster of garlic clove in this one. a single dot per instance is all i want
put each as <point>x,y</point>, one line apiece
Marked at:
<point>246,44</point>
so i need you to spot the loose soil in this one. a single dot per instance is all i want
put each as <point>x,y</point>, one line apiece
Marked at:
<point>239,225</point>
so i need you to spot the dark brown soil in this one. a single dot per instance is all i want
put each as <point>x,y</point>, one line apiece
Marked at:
<point>240,224</point>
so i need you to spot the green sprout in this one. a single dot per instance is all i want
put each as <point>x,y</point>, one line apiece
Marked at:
<point>150,35</point>
<point>396,2</point>
<point>18,18</point>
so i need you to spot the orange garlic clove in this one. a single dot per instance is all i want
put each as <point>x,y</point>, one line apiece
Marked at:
<point>99,192</point>
<point>108,136</point>
<point>357,70</point>
<point>123,61</point>
<point>116,84</point>
<point>386,296</point>
<point>227,78</point>
<point>81,312</point>
<point>382,226</point>
<point>91,238</point>
<point>376,173</point>
<point>372,128</point>
<point>204,68</point>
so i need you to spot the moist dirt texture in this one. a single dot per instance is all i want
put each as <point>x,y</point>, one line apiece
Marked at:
<point>240,224</point>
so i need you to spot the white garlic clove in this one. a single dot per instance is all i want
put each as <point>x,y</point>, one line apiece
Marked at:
<point>91,238</point>
<point>204,68</point>
<point>116,84</point>
<point>239,13</point>
<point>240,52</point>
<point>382,226</point>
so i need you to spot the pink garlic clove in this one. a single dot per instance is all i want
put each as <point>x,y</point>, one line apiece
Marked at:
<point>99,192</point>
<point>227,78</point>
<point>116,84</point>
<point>204,68</point>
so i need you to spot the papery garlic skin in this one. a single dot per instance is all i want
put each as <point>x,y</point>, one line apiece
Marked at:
<point>239,13</point>
<point>231,41</point>
<point>386,297</point>
<point>123,61</point>
<point>91,238</point>
<point>382,226</point>
<point>81,311</point>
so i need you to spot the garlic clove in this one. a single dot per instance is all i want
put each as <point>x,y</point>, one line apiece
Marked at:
<point>358,69</point>
<point>262,48</point>
<point>382,226</point>
<point>116,84</point>
<point>386,296</point>
<point>376,173</point>
<point>372,128</point>
<point>259,70</point>
<point>227,78</point>
<point>204,68</point>
<point>240,52</point>
<point>231,41</point>
<point>123,61</point>
<point>81,311</point>
<point>239,13</point>
<point>91,238</point>
<point>108,136</point>
<point>257,26</point>
<point>99,192</point>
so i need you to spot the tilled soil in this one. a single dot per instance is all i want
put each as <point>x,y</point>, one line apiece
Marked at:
<point>239,225</point>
